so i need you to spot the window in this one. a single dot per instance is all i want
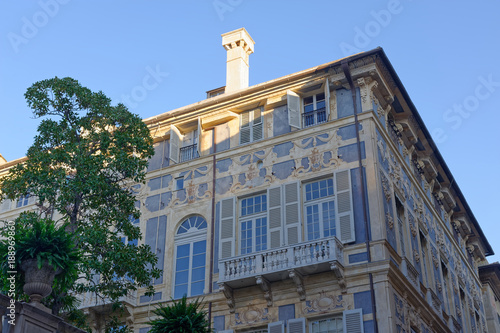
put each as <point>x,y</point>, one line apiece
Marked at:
<point>23,200</point>
<point>156,230</point>
<point>184,147</point>
<point>251,126</point>
<point>329,325</point>
<point>179,183</point>
<point>400,212</point>
<point>253,226</point>
<point>190,257</point>
<point>309,109</point>
<point>189,149</point>
<point>320,209</point>
<point>314,110</point>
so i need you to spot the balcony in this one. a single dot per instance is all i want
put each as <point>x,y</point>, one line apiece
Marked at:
<point>189,152</point>
<point>89,300</point>
<point>314,117</point>
<point>294,261</point>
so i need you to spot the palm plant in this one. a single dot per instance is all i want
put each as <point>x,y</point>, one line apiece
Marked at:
<point>181,317</point>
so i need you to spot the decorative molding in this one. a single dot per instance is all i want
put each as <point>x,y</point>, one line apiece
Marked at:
<point>228,293</point>
<point>265,285</point>
<point>325,303</point>
<point>338,269</point>
<point>386,187</point>
<point>299,282</point>
<point>389,220</point>
<point>251,315</point>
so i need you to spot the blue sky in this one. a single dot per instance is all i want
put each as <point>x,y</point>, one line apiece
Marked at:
<point>446,54</point>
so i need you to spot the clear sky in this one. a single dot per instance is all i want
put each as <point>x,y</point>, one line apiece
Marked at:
<point>446,54</point>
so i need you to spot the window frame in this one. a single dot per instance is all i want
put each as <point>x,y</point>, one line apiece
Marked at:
<point>23,200</point>
<point>252,217</point>
<point>319,202</point>
<point>251,125</point>
<point>337,316</point>
<point>190,238</point>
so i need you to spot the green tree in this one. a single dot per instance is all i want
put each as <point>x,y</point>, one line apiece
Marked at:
<point>83,164</point>
<point>180,317</point>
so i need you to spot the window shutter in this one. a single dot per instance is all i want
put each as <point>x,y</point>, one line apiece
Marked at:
<point>31,199</point>
<point>175,142</point>
<point>292,213</point>
<point>353,321</point>
<point>293,101</point>
<point>197,139</point>
<point>245,128</point>
<point>327,100</point>
<point>160,246</point>
<point>345,217</point>
<point>297,325</point>
<point>276,327</point>
<point>227,228</point>
<point>275,229</point>
<point>5,205</point>
<point>257,124</point>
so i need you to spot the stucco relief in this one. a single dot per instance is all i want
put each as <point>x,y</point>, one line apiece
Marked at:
<point>251,315</point>
<point>325,302</point>
<point>386,187</point>
<point>389,220</point>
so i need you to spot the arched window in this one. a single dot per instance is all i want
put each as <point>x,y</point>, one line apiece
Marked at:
<point>190,257</point>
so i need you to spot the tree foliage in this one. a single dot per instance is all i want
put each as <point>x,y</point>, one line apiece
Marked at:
<point>180,317</point>
<point>82,166</point>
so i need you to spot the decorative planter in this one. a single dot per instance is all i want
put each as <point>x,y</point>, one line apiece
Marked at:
<point>38,282</point>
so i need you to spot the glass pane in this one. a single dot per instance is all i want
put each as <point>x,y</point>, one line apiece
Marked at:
<point>183,251</point>
<point>197,288</point>
<point>198,274</point>
<point>180,290</point>
<point>182,264</point>
<point>181,277</point>
<point>199,260</point>
<point>199,247</point>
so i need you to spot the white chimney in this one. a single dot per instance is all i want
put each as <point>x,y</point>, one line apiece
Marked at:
<point>239,45</point>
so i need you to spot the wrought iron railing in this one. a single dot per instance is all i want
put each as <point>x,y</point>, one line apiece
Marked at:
<point>189,152</point>
<point>314,117</point>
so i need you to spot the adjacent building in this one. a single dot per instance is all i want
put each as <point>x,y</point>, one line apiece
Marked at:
<point>314,202</point>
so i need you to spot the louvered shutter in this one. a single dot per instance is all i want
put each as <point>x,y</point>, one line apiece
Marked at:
<point>5,205</point>
<point>353,321</point>
<point>327,99</point>
<point>292,213</point>
<point>245,128</point>
<point>197,139</point>
<point>276,327</point>
<point>297,325</point>
<point>31,199</point>
<point>275,229</point>
<point>345,219</point>
<point>257,124</point>
<point>293,101</point>
<point>227,231</point>
<point>175,143</point>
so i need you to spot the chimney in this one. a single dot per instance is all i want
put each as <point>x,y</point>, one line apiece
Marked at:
<point>239,45</point>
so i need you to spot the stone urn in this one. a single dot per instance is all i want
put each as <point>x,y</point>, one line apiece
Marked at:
<point>38,281</point>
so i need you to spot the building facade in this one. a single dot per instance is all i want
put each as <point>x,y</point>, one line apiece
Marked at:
<point>314,202</point>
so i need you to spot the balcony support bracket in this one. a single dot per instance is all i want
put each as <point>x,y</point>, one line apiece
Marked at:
<point>299,282</point>
<point>338,270</point>
<point>265,285</point>
<point>228,293</point>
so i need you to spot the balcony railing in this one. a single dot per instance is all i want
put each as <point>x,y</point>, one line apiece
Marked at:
<point>189,153</point>
<point>314,117</point>
<point>88,300</point>
<point>306,258</point>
